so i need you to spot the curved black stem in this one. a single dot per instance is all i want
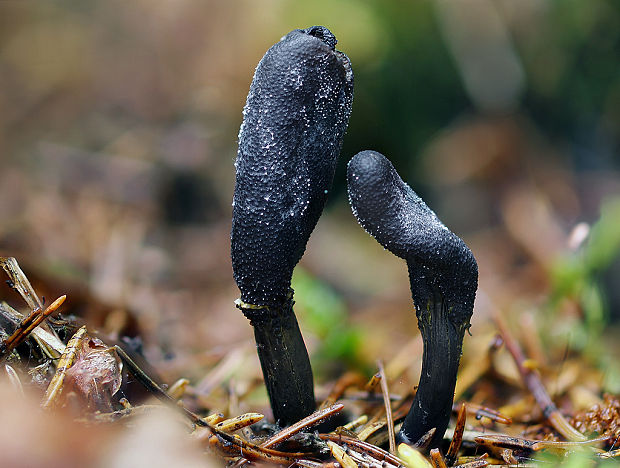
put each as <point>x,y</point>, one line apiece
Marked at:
<point>432,404</point>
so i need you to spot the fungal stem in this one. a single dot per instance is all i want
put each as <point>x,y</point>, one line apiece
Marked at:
<point>432,404</point>
<point>284,360</point>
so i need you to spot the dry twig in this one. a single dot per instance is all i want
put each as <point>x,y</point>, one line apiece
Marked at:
<point>532,381</point>
<point>388,408</point>
<point>27,325</point>
<point>457,438</point>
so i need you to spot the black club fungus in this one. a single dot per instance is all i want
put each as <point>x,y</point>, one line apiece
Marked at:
<point>295,117</point>
<point>443,274</point>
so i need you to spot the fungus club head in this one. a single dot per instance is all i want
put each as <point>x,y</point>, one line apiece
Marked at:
<point>443,274</point>
<point>295,117</point>
<point>390,211</point>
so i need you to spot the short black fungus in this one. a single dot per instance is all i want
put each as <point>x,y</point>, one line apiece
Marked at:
<point>295,117</point>
<point>443,274</point>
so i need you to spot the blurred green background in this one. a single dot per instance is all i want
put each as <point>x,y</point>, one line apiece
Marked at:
<point>118,126</point>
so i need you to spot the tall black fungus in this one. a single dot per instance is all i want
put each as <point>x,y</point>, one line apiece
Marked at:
<point>295,117</point>
<point>443,274</point>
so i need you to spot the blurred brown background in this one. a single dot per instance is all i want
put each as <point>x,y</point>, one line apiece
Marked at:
<point>118,126</point>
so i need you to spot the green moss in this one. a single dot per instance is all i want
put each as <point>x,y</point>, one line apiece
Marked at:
<point>324,313</point>
<point>575,277</point>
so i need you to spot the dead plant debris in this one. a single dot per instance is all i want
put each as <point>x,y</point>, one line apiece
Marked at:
<point>496,420</point>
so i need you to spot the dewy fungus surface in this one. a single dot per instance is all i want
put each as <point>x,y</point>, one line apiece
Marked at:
<point>443,275</point>
<point>295,117</point>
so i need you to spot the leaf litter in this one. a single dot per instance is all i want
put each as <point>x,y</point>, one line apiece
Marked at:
<point>498,420</point>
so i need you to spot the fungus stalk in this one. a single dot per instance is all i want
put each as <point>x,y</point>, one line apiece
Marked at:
<point>295,117</point>
<point>443,275</point>
<point>283,358</point>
